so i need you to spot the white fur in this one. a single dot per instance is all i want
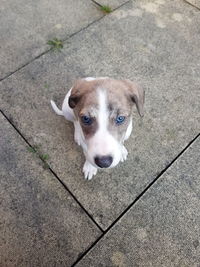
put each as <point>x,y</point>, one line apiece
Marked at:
<point>88,79</point>
<point>124,154</point>
<point>56,109</point>
<point>66,111</point>
<point>89,170</point>
<point>129,130</point>
<point>102,143</point>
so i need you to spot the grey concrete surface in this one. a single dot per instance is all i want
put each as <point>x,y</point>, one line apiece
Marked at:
<point>111,3</point>
<point>195,3</point>
<point>156,44</point>
<point>40,223</point>
<point>162,228</point>
<point>26,26</point>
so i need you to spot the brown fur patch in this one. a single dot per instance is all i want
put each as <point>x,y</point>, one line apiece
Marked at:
<point>87,104</point>
<point>121,94</point>
<point>119,104</point>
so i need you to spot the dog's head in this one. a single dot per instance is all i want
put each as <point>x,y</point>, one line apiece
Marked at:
<point>103,107</point>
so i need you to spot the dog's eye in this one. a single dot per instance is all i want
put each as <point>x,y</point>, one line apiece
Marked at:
<point>119,119</point>
<point>86,120</point>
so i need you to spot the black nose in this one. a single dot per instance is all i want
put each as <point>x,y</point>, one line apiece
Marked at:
<point>104,161</point>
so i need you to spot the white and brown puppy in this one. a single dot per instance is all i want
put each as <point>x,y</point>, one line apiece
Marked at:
<point>100,109</point>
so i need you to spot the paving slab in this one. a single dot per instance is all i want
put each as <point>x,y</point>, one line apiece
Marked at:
<point>40,223</point>
<point>162,228</point>
<point>26,26</point>
<point>195,3</point>
<point>158,46</point>
<point>111,3</point>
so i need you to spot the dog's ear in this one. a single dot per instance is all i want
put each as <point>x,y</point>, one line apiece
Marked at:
<point>136,94</point>
<point>73,100</point>
<point>76,95</point>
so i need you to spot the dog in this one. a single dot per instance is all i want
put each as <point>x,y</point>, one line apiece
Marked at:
<point>101,110</point>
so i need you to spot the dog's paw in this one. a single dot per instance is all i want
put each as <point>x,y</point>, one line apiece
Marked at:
<point>89,170</point>
<point>124,154</point>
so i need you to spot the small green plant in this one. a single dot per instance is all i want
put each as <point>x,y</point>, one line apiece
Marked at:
<point>106,9</point>
<point>46,85</point>
<point>45,165</point>
<point>44,156</point>
<point>31,149</point>
<point>55,44</point>
<point>36,150</point>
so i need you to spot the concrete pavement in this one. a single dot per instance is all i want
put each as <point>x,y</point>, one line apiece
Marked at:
<point>155,43</point>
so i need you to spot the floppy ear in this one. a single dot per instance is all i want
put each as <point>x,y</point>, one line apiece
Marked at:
<point>136,93</point>
<point>73,100</point>
<point>75,96</point>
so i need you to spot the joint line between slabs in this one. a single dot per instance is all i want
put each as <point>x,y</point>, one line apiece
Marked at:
<point>136,200</point>
<point>55,175</point>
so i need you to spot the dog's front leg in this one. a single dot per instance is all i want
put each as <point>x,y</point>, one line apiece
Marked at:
<point>124,154</point>
<point>89,170</point>
<point>77,133</point>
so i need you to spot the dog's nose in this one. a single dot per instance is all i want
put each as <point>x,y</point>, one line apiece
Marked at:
<point>104,161</point>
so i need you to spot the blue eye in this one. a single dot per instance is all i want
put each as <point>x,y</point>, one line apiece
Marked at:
<point>86,120</point>
<point>119,119</point>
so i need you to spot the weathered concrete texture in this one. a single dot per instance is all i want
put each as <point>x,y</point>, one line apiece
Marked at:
<point>111,3</point>
<point>26,26</point>
<point>195,3</point>
<point>156,44</point>
<point>40,224</point>
<point>162,229</point>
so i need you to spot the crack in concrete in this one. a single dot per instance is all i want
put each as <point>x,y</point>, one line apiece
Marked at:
<point>64,40</point>
<point>136,199</point>
<point>193,5</point>
<point>104,232</point>
<point>54,174</point>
